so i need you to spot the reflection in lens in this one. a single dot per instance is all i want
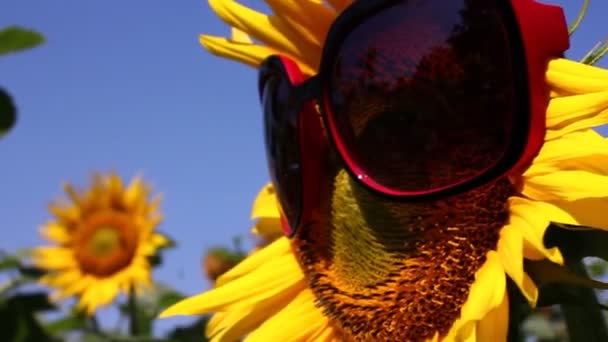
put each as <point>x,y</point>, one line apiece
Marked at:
<point>282,147</point>
<point>421,93</point>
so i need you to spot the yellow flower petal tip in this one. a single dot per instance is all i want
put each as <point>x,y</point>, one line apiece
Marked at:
<point>170,312</point>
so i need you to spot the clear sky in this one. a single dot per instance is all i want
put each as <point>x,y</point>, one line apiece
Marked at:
<point>125,86</point>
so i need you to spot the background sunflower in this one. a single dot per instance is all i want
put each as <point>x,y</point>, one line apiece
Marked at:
<point>103,239</point>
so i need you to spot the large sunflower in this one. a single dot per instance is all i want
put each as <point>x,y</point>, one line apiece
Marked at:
<point>102,241</point>
<point>351,278</point>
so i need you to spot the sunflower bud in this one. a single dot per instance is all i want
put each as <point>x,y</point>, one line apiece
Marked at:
<point>219,260</point>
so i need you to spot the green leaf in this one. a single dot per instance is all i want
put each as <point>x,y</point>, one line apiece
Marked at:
<point>155,260</point>
<point>17,319</point>
<point>577,242</point>
<point>34,302</point>
<point>167,298</point>
<point>585,320</point>
<point>191,333</point>
<point>14,38</point>
<point>89,337</point>
<point>8,113</point>
<point>597,268</point>
<point>546,272</point>
<point>9,262</point>
<point>69,323</point>
<point>227,255</point>
<point>31,272</point>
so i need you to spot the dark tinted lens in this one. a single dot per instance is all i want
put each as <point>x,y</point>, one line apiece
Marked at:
<point>422,93</point>
<point>282,147</point>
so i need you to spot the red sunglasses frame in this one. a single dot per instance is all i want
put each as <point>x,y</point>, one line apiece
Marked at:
<point>533,43</point>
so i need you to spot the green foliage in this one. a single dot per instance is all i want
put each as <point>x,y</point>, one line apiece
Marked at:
<point>8,112</point>
<point>15,38</point>
<point>19,312</point>
<point>72,322</point>
<point>228,255</point>
<point>18,322</point>
<point>192,333</point>
<point>144,309</point>
<point>576,242</point>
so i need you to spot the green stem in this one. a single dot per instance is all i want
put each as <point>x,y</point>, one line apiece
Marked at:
<point>585,320</point>
<point>133,319</point>
<point>94,324</point>
<point>579,17</point>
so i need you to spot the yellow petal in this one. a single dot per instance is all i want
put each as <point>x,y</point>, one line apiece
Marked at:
<point>569,111</point>
<point>54,258</point>
<point>589,212</point>
<point>99,294</point>
<point>88,301</point>
<point>268,228</point>
<point>494,326</point>
<point>234,324</point>
<point>583,150</point>
<point>486,293</point>
<point>115,186</point>
<point>312,19</point>
<point>108,291</point>
<point>72,193</point>
<point>239,36</point>
<point>273,31</point>
<point>568,66</point>
<point>250,54</point>
<point>265,204</point>
<point>510,250</point>
<point>77,287</point>
<point>62,279</point>
<point>532,218</point>
<point>159,240</point>
<point>56,232</point>
<point>135,193</point>
<point>278,248</point>
<point>565,185</point>
<point>270,279</point>
<point>298,321</point>
<point>326,335</point>
<point>576,83</point>
<point>66,214</point>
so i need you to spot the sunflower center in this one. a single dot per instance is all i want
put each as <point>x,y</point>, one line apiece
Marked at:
<point>397,271</point>
<point>106,243</point>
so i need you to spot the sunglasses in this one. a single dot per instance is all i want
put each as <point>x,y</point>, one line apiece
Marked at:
<point>420,99</point>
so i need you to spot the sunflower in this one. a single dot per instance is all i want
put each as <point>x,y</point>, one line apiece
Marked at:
<point>103,238</point>
<point>350,277</point>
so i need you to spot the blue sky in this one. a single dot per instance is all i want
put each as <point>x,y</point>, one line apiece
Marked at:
<point>125,86</point>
